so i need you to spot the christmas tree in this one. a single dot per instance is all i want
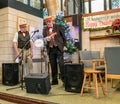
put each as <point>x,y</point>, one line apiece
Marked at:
<point>70,42</point>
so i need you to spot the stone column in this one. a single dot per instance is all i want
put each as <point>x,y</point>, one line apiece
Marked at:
<point>52,6</point>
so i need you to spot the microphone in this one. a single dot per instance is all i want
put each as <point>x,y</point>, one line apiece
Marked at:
<point>35,31</point>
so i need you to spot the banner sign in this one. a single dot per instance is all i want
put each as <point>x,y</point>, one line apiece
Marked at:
<point>100,21</point>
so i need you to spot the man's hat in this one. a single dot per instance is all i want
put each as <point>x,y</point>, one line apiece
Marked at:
<point>22,25</point>
<point>48,18</point>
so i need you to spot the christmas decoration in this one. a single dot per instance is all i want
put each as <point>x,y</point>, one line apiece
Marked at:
<point>116,26</point>
<point>70,42</point>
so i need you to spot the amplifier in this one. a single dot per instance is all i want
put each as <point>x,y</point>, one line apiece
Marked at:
<point>37,83</point>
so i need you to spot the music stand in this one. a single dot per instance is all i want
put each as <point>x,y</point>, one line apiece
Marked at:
<point>22,55</point>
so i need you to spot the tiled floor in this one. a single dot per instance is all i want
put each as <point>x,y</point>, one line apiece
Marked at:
<point>58,94</point>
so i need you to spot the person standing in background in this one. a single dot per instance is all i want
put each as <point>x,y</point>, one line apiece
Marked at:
<point>56,45</point>
<point>19,41</point>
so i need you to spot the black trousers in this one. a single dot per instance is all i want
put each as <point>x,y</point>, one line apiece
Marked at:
<point>56,57</point>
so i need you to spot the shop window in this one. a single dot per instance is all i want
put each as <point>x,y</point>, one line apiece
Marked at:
<point>97,5</point>
<point>86,7</point>
<point>35,4</point>
<point>70,7</point>
<point>23,1</point>
<point>115,4</point>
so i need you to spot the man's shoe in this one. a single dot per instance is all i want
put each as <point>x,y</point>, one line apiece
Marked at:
<point>54,83</point>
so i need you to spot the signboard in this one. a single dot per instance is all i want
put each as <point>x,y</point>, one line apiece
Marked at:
<point>100,21</point>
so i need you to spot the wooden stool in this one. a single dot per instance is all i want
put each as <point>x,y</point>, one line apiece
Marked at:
<point>87,73</point>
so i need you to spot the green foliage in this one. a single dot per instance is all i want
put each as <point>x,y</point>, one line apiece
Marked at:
<point>70,48</point>
<point>70,44</point>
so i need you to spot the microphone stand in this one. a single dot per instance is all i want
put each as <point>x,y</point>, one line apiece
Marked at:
<point>23,61</point>
<point>42,59</point>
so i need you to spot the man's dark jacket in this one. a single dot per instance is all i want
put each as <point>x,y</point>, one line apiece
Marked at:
<point>59,37</point>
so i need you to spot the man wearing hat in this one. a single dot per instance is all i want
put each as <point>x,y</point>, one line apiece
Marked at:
<point>56,44</point>
<point>19,41</point>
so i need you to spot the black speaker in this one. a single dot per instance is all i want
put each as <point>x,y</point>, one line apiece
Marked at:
<point>37,83</point>
<point>74,75</point>
<point>10,74</point>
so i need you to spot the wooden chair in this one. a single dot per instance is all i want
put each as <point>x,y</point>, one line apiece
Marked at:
<point>112,63</point>
<point>90,68</point>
